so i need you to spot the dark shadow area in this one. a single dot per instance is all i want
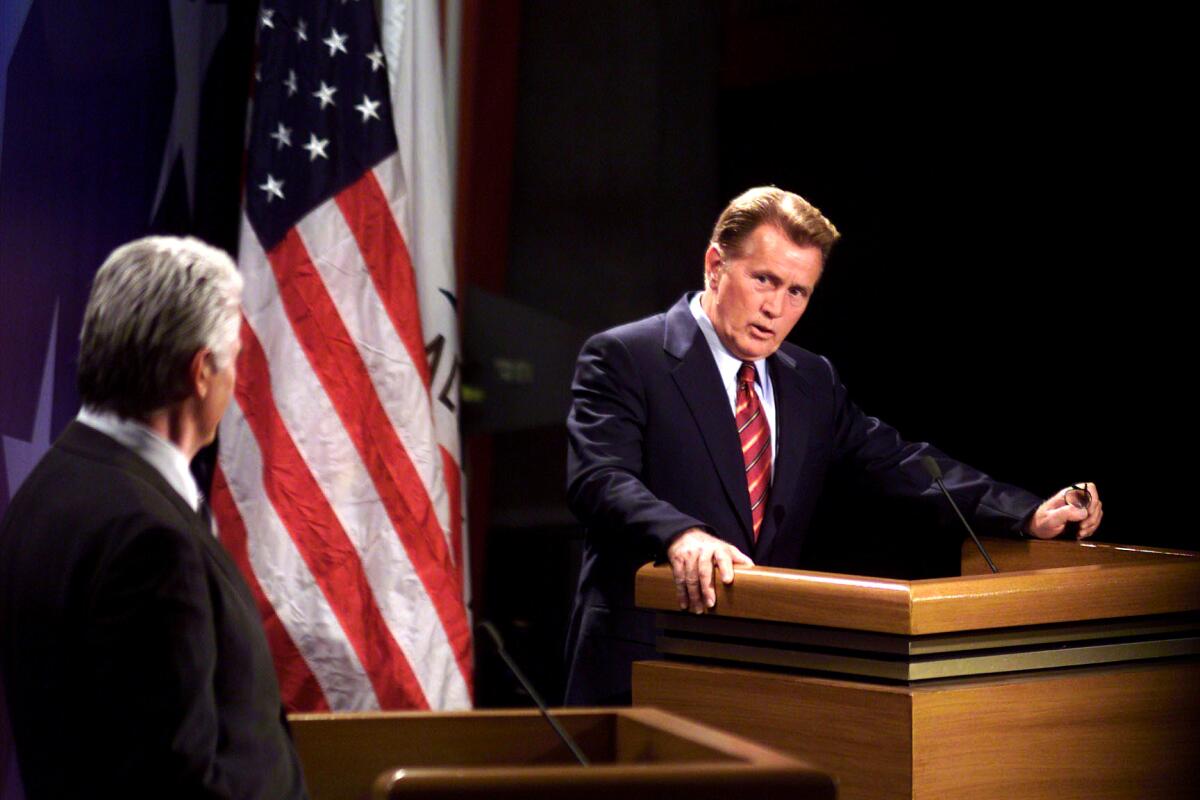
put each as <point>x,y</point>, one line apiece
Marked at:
<point>1009,285</point>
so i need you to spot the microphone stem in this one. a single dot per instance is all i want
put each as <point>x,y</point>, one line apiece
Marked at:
<point>967,525</point>
<point>537,699</point>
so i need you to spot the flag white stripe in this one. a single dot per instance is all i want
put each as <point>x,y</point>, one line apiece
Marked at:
<point>335,464</point>
<point>335,254</point>
<point>284,577</point>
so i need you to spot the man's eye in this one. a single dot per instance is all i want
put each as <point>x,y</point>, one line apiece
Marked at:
<point>761,278</point>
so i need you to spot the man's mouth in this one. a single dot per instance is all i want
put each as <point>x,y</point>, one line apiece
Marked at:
<point>761,331</point>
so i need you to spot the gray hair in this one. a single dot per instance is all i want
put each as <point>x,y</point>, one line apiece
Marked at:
<point>154,303</point>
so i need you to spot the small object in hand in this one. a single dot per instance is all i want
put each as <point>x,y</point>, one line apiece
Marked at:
<point>1078,496</point>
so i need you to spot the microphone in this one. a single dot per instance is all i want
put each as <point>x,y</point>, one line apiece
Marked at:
<point>494,635</point>
<point>935,471</point>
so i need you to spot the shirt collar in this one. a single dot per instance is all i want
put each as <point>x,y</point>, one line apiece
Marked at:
<point>727,363</point>
<point>167,459</point>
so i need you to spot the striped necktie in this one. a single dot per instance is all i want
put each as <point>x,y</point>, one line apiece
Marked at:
<point>756,444</point>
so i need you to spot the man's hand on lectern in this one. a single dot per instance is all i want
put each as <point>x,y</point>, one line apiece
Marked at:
<point>692,555</point>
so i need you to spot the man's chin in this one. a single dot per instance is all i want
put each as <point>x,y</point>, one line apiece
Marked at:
<point>756,351</point>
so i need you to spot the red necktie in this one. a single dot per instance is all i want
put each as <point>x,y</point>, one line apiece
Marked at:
<point>756,444</point>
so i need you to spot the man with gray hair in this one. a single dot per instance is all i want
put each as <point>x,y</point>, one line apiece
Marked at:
<point>133,657</point>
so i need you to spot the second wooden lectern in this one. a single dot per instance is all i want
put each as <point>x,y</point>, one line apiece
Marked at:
<point>1075,672</point>
<point>636,754</point>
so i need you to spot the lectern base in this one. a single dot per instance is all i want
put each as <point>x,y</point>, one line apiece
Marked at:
<point>1116,731</point>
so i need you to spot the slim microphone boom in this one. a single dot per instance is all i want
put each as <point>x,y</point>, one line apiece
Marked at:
<point>935,471</point>
<point>494,635</point>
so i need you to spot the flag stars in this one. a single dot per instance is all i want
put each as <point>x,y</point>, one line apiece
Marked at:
<point>316,148</point>
<point>291,83</point>
<point>301,30</point>
<point>368,108</point>
<point>376,58</point>
<point>273,188</point>
<point>325,95</point>
<point>336,42</point>
<point>266,18</point>
<point>282,136</point>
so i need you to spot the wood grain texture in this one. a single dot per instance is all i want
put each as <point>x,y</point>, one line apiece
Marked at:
<point>1125,732</point>
<point>797,596</point>
<point>861,734</point>
<point>494,754</point>
<point>1130,732</point>
<point>1026,554</point>
<point>1039,597</point>
<point>1126,583</point>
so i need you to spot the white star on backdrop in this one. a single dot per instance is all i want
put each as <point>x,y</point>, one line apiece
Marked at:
<point>20,455</point>
<point>301,30</point>
<point>291,83</point>
<point>193,54</point>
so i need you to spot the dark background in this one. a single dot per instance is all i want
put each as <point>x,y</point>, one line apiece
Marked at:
<point>1014,183</point>
<point>1010,283</point>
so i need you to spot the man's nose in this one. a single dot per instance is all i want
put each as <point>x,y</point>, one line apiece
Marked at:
<point>773,303</point>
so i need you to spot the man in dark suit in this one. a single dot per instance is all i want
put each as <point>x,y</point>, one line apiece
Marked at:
<point>133,658</point>
<point>701,437</point>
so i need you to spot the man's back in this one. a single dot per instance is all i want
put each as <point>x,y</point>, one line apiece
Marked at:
<point>133,658</point>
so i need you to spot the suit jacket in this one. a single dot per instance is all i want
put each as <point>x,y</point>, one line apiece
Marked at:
<point>653,451</point>
<point>134,660</point>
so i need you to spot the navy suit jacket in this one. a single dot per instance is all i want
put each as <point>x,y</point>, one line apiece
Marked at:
<point>134,660</point>
<point>653,451</point>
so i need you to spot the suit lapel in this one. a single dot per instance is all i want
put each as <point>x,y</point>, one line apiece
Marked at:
<point>699,382</point>
<point>793,410</point>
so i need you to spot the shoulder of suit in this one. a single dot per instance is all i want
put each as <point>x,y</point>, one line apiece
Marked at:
<point>648,328</point>
<point>109,480</point>
<point>813,366</point>
<point>805,358</point>
<point>640,338</point>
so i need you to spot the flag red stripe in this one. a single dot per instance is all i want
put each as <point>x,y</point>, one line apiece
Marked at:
<point>385,253</point>
<point>339,367</point>
<point>319,536</point>
<point>297,684</point>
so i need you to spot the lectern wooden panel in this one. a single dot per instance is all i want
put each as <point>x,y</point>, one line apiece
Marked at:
<point>1078,679</point>
<point>636,753</point>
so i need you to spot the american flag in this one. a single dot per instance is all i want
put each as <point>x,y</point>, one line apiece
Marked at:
<point>338,485</point>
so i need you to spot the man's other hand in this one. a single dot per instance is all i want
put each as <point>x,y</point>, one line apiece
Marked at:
<point>1079,503</point>
<point>692,555</point>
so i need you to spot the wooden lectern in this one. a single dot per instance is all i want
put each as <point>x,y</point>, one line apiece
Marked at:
<point>1074,672</point>
<point>635,753</point>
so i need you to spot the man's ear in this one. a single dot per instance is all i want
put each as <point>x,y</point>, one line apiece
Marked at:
<point>200,372</point>
<point>713,265</point>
